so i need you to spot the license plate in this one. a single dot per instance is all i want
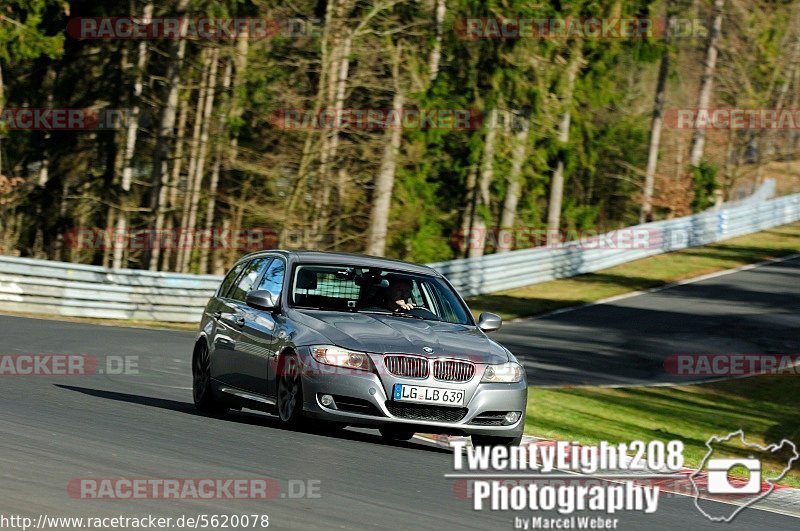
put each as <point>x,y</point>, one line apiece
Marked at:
<point>428,395</point>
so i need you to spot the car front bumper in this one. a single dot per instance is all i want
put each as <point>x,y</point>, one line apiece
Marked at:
<point>364,399</point>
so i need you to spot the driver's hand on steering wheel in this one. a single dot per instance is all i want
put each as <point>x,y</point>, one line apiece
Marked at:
<point>403,305</point>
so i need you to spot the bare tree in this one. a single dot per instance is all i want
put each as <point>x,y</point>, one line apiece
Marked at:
<point>131,137</point>
<point>483,195</point>
<point>194,153</point>
<point>435,56</point>
<point>2,106</point>
<point>467,240</point>
<point>514,185</point>
<point>169,113</point>
<point>166,212</point>
<point>557,182</point>
<point>336,96</point>
<point>645,214</point>
<point>215,172</point>
<point>384,182</point>
<point>707,82</point>
<point>196,180</point>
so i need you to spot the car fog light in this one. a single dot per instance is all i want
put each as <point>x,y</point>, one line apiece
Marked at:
<point>512,417</point>
<point>327,400</point>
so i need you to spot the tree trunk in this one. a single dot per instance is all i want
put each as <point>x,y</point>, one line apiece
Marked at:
<point>336,95</point>
<point>436,51</point>
<point>205,249</point>
<point>201,157</point>
<point>466,239</point>
<point>215,172</point>
<point>237,108</point>
<point>184,238</point>
<point>168,214</point>
<point>794,135</point>
<point>707,82</point>
<point>238,216</point>
<point>2,106</point>
<point>131,137</point>
<point>557,184</point>
<point>483,197</point>
<point>44,168</point>
<point>166,127</point>
<point>514,187</point>
<point>646,212</point>
<point>138,87</point>
<point>309,149</point>
<point>384,183</point>
<point>783,91</point>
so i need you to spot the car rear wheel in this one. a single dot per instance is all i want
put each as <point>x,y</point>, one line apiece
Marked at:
<point>290,392</point>
<point>396,434</point>
<point>201,382</point>
<point>488,440</point>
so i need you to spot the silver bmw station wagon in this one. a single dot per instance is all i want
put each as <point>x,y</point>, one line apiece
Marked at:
<point>334,340</point>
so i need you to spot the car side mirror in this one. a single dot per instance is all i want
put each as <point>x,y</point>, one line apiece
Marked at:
<point>261,299</point>
<point>489,322</point>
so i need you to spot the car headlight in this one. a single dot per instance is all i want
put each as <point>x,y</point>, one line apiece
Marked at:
<point>340,357</point>
<point>503,373</point>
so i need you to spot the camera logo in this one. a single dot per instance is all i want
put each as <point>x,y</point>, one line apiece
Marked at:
<point>732,473</point>
<point>719,474</point>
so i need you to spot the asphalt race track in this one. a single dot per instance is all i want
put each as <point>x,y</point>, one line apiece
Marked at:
<point>755,311</point>
<point>55,429</point>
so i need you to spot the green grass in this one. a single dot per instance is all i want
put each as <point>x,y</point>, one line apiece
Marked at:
<point>765,407</point>
<point>641,275</point>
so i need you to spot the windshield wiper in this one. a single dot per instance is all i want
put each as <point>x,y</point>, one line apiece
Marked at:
<point>397,314</point>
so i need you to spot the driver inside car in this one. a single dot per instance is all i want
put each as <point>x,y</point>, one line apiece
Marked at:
<point>400,294</point>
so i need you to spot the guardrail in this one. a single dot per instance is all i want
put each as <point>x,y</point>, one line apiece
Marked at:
<point>498,272</point>
<point>76,290</point>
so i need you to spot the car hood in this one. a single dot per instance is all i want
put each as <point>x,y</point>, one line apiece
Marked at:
<point>383,334</point>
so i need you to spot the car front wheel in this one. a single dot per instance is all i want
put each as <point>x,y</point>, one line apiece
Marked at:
<point>290,392</point>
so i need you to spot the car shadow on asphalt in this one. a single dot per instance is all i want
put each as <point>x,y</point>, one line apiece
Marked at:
<point>252,418</point>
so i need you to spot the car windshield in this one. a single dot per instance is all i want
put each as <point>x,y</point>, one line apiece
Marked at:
<point>376,290</point>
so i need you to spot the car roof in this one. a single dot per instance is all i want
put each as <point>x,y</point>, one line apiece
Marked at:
<point>359,260</point>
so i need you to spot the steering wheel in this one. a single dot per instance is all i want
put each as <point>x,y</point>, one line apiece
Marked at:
<point>419,312</point>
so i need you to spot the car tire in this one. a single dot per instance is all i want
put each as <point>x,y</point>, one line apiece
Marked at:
<point>396,434</point>
<point>202,390</point>
<point>489,440</point>
<point>289,403</point>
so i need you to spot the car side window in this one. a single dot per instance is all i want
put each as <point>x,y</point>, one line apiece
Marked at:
<point>229,279</point>
<point>272,280</point>
<point>245,283</point>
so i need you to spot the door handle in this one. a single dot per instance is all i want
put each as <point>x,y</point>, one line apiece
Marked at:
<point>217,314</point>
<point>239,321</point>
